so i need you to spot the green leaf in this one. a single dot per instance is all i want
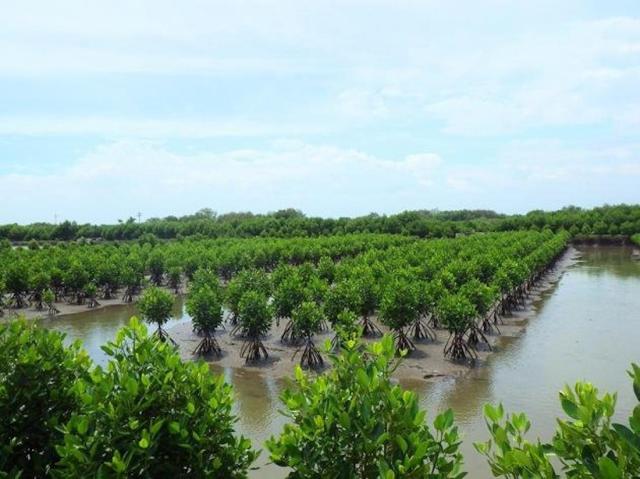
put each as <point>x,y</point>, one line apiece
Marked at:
<point>83,425</point>
<point>608,469</point>
<point>143,443</point>
<point>402,444</point>
<point>131,386</point>
<point>117,463</point>
<point>492,413</point>
<point>569,407</point>
<point>627,434</point>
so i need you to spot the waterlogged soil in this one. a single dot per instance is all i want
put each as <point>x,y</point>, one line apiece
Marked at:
<point>580,322</point>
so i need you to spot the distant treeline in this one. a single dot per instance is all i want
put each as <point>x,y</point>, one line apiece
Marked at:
<point>605,220</point>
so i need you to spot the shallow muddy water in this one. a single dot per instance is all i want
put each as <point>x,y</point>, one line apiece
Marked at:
<point>587,326</point>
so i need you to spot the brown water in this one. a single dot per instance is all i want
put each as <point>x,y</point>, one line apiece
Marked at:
<point>586,327</point>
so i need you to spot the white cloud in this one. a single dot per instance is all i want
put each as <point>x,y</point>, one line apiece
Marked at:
<point>146,175</point>
<point>149,127</point>
<point>118,179</point>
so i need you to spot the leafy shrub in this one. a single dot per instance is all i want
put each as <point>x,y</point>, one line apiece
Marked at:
<point>37,374</point>
<point>255,322</point>
<point>205,308</point>
<point>587,445</point>
<point>353,422</point>
<point>151,415</point>
<point>156,305</point>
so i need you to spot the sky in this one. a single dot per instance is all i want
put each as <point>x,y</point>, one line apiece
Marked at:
<point>344,108</point>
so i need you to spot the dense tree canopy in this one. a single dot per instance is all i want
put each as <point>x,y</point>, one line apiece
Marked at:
<point>610,220</point>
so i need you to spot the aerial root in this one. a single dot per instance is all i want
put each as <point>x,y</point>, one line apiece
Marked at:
<point>208,346</point>
<point>420,330</point>
<point>52,310</point>
<point>289,335</point>
<point>458,349</point>
<point>369,328</point>
<point>163,336</point>
<point>311,357</point>
<point>475,335</point>
<point>488,326</point>
<point>93,303</point>
<point>253,350</point>
<point>403,342</point>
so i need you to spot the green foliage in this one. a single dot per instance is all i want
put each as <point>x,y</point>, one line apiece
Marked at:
<point>326,269</point>
<point>288,295</point>
<point>366,291</point>
<point>48,297</point>
<point>346,326</point>
<point>37,374</point>
<point>307,319</point>
<point>399,304</point>
<point>456,312</point>
<point>90,290</point>
<point>342,296</point>
<point>155,306</point>
<point>206,277</point>
<point>205,308</point>
<point>423,223</point>
<point>586,444</point>
<point>316,289</point>
<point>479,294</point>
<point>353,422</point>
<point>16,279</point>
<point>174,277</point>
<point>255,314</point>
<point>245,280</point>
<point>156,266</point>
<point>151,415</point>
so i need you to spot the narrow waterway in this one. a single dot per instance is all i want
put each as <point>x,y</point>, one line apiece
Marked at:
<point>586,327</point>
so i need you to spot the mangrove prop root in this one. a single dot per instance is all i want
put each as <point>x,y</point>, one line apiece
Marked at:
<point>18,301</point>
<point>421,330</point>
<point>474,337</point>
<point>403,342</point>
<point>52,310</point>
<point>488,326</point>
<point>311,357</point>
<point>93,303</point>
<point>127,297</point>
<point>163,336</point>
<point>369,328</point>
<point>237,331</point>
<point>289,335</point>
<point>458,349</point>
<point>253,350</point>
<point>208,346</point>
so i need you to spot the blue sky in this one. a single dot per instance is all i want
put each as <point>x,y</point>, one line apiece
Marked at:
<point>335,108</point>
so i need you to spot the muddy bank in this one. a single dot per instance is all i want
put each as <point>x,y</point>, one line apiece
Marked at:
<point>64,308</point>
<point>67,309</point>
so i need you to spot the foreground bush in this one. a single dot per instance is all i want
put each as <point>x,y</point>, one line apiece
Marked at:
<point>37,372</point>
<point>151,415</point>
<point>353,422</point>
<point>586,445</point>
